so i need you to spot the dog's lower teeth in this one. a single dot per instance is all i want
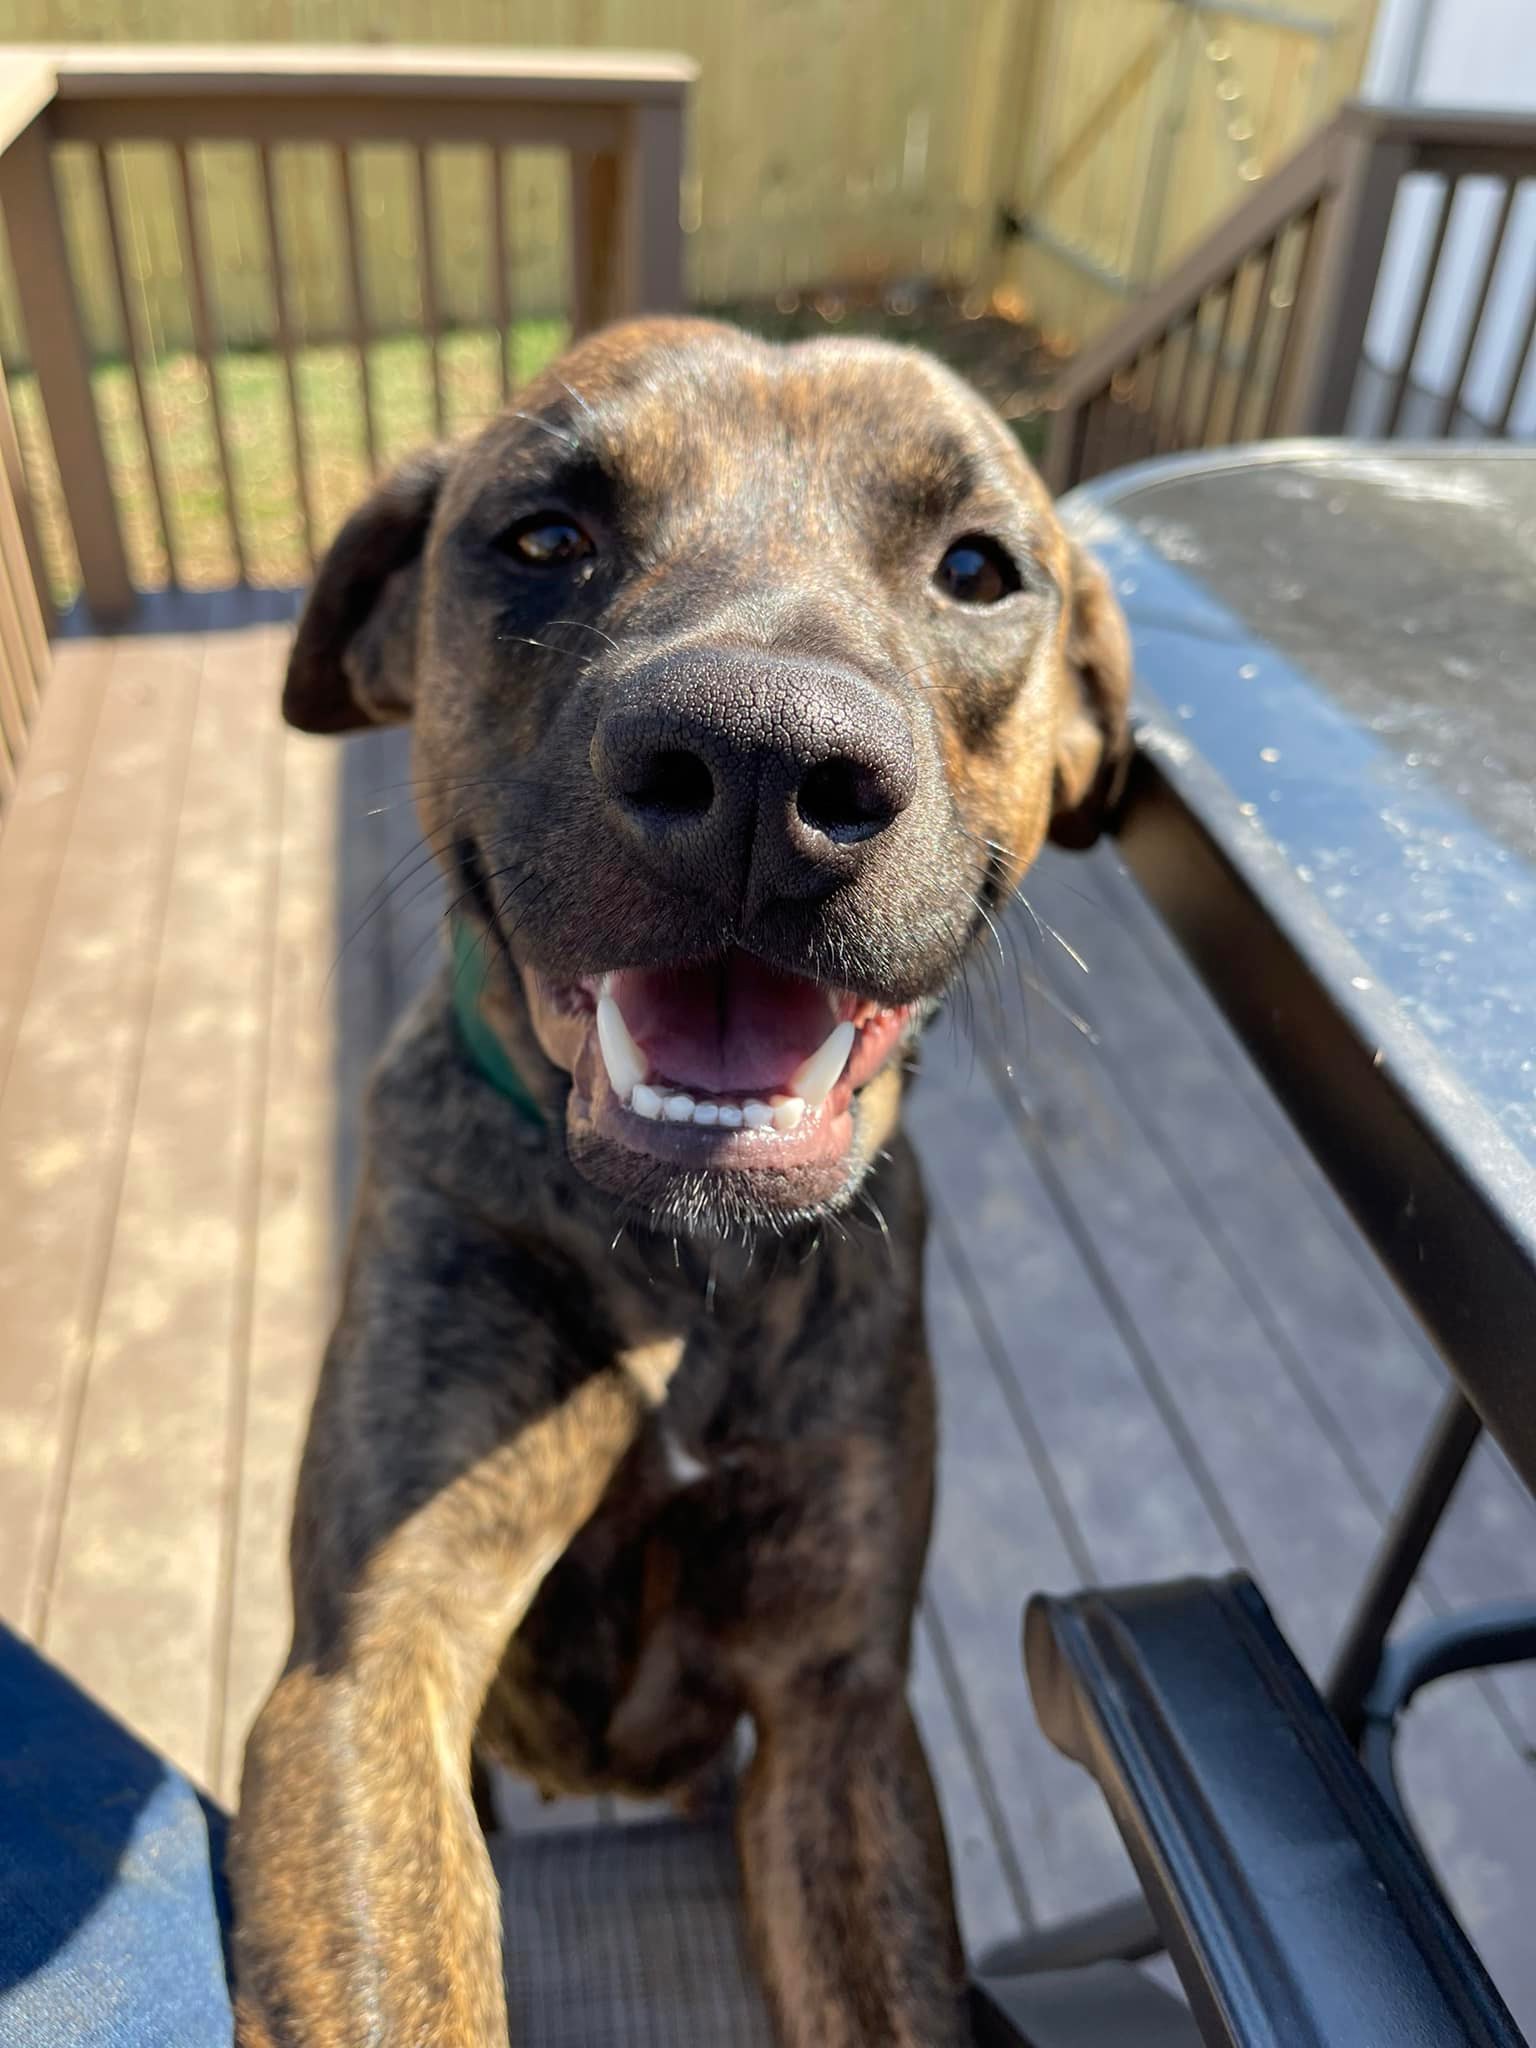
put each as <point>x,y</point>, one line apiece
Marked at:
<point>625,1064</point>
<point>785,1113</point>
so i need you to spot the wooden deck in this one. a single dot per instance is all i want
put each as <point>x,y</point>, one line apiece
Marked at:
<point>1163,1348</point>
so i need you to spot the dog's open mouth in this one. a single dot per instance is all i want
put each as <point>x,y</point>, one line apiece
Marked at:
<point>732,1064</point>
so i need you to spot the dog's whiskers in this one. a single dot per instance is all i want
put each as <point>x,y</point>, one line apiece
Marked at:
<point>584,626</point>
<point>1048,930</point>
<point>523,640</point>
<point>1063,1010</point>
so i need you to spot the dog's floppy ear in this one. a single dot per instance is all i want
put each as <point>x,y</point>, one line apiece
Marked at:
<point>354,654</point>
<point>1093,745</point>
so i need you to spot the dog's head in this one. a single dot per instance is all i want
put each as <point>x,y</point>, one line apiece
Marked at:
<point>746,682</point>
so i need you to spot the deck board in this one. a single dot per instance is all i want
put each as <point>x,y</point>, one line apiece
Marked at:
<point>158,1441</point>
<point>65,1114</point>
<point>1162,1346</point>
<point>297,1246</point>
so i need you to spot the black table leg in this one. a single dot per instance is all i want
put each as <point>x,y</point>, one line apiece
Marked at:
<point>1441,1464</point>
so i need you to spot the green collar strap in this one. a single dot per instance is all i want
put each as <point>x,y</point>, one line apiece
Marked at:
<point>471,971</point>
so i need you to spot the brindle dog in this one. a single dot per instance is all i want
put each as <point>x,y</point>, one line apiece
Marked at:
<point>746,683</point>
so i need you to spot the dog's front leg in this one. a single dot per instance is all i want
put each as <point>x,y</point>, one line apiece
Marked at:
<point>845,1868</point>
<point>800,1563</point>
<point>366,1910</point>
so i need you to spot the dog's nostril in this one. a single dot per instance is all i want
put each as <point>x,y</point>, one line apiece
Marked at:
<point>845,800</point>
<point>672,783</point>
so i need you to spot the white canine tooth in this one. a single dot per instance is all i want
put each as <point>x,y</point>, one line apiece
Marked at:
<point>816,1077</point>
<point>679,1109</point>
<point>787,1112</point>
<point>730,1116</point>
<point>757,1116</point>
<point>645,1102</point>
<point>621,1056</point>
<point>706,1112</point>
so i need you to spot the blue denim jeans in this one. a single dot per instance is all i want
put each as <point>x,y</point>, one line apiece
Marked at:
<point>112,1908</point>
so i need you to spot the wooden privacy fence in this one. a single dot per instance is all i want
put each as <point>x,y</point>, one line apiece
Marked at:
<point>1263,330</point>
<point>299,120</point>
<point>1144,121</point>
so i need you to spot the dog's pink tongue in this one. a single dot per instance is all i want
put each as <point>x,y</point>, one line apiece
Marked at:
<point>737,1027</point>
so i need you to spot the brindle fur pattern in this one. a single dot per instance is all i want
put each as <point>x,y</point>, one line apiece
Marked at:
<point>596,1468</point>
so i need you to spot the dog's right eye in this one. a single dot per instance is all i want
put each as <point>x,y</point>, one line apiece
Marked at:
<point>547,540</point>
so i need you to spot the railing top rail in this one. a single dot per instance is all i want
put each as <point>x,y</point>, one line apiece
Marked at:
<point>1479,127</point>
<point>27,84</point>
<point>1306,177</point>
<point>365,71</point>
<point>1273,204</point>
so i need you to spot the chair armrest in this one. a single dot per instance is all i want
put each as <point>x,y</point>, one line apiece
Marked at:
<point>1296,1910</point>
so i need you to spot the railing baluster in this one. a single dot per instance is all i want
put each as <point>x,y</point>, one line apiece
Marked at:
<point>1094,436</point>
<point>1431,273</point>
<point>1262,308</point>
<point>1161,376</point>
<point>1168,416</point>
<point>426,252</point>
<point>18,690</point>
<point>61,361</point>
<point>1517,372</point>
<point>501,307</point>
<point>1066,447</point>
<point>131,341</point>
<point>10,751</point>
<point>203,337</point>
<point>1452,399</point>
<point>1218,364</point>
<point>1143,384</point>
<point>1187,374</point>
<point>358,296</point>
<point>32,568</point>
<point>18,548</point>
<point>284,323</point>
<point>1307,229</point>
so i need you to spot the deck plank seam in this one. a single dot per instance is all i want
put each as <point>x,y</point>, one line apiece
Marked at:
<point>1125,1324</point>
<point>1035,1449</point>
<point>44,912</point>
<point>1296,1370</point>
<point>931,1622</point>
<point>78,1369</point>
<point>253,1126</point>
<point>1160,950</point>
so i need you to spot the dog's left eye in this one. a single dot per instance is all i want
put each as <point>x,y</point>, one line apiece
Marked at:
<point>976,569</point>
<point>548,540</point>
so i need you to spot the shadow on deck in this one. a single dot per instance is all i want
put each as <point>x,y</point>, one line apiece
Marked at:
<point>1162,1346</point>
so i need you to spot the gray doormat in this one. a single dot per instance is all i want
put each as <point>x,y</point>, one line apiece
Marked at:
<point>627,1937</point>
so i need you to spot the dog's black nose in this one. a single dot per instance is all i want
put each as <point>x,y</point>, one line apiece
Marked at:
<point>753,777</point>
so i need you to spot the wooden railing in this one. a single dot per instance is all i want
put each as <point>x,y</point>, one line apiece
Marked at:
<point>84,124</point>
<point>26,615</point>
<point>1263,330</point>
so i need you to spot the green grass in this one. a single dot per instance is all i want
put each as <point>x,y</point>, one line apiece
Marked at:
<point>253,394</point>
<point>1000,356</point>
